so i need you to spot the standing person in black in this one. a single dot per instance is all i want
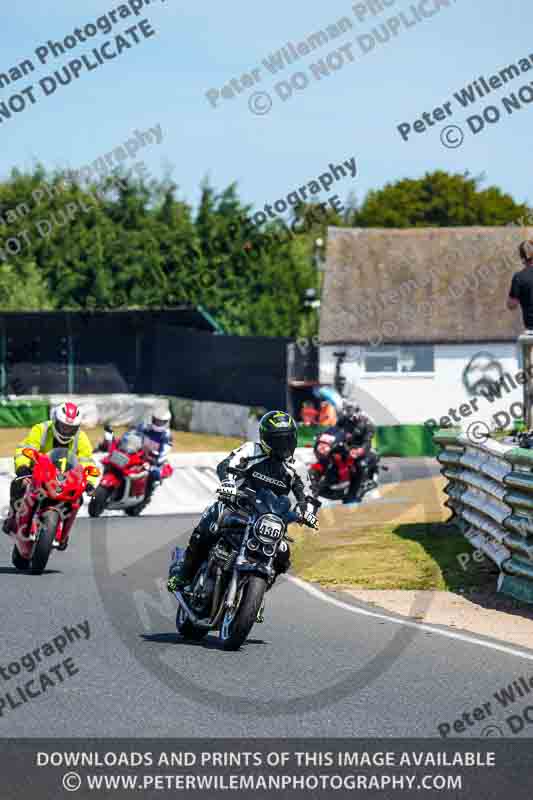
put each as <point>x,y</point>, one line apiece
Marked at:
<point>521,291</point>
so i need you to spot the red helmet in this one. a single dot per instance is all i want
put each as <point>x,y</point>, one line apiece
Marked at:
<point>66,422</point>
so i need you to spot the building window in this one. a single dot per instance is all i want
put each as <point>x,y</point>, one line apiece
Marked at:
<point>397,360</point>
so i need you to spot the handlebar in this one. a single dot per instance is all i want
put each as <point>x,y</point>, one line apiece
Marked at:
<point>249,495</point>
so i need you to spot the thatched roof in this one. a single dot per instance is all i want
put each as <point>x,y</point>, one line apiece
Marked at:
<point>420,285</point>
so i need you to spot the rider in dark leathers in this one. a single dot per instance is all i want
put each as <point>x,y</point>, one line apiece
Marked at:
<point>268,464</point>
<point>359,430</point>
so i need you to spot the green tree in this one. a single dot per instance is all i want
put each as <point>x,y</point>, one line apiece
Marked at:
<point>437,199</point>
<point>122,243</point>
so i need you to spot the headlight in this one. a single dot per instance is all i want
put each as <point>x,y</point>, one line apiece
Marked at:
<point>269,529</point>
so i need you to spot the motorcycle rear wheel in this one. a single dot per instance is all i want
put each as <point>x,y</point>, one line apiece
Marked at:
<point>43,546</point>
<point>236,625</point>
<point>99,501</point>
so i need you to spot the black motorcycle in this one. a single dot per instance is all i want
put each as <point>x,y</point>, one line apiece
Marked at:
<point>227,593</point>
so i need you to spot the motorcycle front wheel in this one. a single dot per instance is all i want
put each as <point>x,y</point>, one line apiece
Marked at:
<point>237,623</point>
<point>43,547</point>
<point>136,511</point>
<point>18,561</point>
<point>99,501</point>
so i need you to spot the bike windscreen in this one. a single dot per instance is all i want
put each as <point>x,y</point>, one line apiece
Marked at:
<point>130,442</point>
<point>269,503</point>
<point>62,459</point>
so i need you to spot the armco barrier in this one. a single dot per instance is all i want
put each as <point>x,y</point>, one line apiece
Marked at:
<point>490,495</point>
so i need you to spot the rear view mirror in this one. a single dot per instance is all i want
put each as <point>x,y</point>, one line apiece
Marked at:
<point>94,472</point>
<point>31,453</point>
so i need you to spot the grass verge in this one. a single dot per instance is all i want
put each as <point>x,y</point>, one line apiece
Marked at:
<point>391,556</point>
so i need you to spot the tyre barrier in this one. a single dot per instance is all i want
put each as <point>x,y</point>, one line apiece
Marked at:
<point>490,496</point>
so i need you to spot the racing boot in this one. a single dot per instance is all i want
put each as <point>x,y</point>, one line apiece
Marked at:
<point>183,570</point>
<point>8,524</point>
<point>261,613</point>
<point>355,492</point>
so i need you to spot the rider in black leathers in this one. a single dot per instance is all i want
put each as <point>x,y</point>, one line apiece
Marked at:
<point>269,464</point>
<point>359,430</point>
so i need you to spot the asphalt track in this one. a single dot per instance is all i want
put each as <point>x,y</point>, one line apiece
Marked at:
<point>315,668</point>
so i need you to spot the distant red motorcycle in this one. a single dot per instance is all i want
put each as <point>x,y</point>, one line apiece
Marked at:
<point>336,462</point>
<point>124,485</point>
<point>45,515</point>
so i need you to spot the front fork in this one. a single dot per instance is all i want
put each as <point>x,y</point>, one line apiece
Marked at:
<point>233,591</point>
<point>241,559</point>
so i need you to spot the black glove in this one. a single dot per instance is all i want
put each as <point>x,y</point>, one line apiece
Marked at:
<point>90,489</point>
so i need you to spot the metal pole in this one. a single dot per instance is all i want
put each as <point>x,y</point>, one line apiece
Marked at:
<point>70,356</point>
<point>525,341</point>
<point>138,358</point>
<point>3,351</point>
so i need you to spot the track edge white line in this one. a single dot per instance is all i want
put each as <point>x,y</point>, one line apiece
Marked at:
<point>424,626</point>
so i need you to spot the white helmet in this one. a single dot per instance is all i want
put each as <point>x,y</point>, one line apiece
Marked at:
<point>66,422</point>
<point>161,419</point>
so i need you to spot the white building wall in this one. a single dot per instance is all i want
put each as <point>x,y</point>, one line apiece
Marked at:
<point>414,399</point>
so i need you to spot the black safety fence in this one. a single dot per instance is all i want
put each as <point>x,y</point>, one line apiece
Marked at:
<point>176,352</point>
<point>248,370</point>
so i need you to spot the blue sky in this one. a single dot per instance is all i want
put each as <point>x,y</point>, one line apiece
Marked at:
<point>352,113</point>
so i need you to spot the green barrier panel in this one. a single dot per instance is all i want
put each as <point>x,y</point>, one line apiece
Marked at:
<point>406,441</point>
<point>23,414</point>
<point>307,433</point>
<point>391,440</point>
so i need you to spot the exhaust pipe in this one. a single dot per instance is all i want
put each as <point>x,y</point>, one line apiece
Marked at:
<point>193,618</point>
<point>183,605</point>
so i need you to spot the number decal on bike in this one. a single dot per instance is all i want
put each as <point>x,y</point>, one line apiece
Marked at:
<point>270,530</point>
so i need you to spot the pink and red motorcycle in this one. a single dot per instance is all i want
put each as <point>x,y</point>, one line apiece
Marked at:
<point>125,484</point>
<point>44,516</point>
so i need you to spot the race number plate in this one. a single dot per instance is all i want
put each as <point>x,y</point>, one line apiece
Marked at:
<point>269,528</point>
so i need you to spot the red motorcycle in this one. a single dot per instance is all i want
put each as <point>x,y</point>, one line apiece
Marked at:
<point>336,462</point>
<point>45,515</point>
<point>124,485</point>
